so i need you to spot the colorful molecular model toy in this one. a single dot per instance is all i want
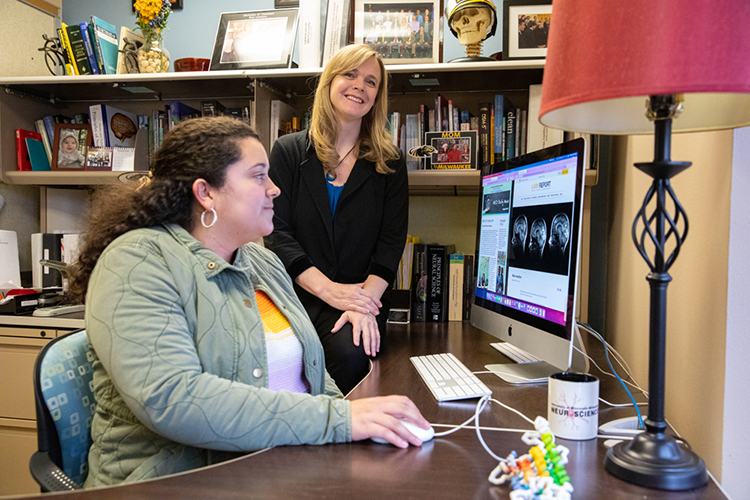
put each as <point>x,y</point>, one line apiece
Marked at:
<point>540,474</point>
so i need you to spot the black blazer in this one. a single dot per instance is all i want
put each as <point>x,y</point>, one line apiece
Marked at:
<point>367,234</point>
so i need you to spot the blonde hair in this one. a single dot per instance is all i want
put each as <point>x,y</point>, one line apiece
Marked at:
<point>375,144</point>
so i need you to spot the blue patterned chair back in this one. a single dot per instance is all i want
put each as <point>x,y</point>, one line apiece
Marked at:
<point>65,377</point>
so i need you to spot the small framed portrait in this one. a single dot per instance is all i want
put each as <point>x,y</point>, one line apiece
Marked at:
<point>69,146</point>
<point>255,40</point>
<point>526,28</point>
<point>401,31</point>
<point>452,150</point>
<point>98,159</point>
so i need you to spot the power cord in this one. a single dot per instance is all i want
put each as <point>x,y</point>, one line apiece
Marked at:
<point>614,372</point>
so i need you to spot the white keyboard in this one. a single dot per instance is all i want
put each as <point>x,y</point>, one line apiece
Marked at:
<point>447,378</point>
<point>515,353</point>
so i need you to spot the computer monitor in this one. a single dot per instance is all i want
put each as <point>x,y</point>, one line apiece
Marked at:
<point>527,258</point>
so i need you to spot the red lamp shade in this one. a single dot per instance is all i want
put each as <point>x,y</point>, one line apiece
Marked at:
<point>605,57</point>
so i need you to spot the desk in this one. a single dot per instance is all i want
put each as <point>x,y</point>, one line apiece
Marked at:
<point>454,467</point>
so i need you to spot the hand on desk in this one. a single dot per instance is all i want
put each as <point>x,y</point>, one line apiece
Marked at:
<point>364,324</point>
<point>379,417</point>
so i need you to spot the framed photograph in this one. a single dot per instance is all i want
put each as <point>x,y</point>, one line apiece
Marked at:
<point>526,28</point>
<point>255,40</point>
<point>452,150</point>
<point>401,31</point>
<point>69,146</point>
<point>98,159</point>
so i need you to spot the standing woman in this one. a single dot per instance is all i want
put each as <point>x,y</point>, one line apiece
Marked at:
<point>341,219</point>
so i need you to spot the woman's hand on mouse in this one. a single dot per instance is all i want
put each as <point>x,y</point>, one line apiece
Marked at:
<point>364,325</point>
<point>379,417</point>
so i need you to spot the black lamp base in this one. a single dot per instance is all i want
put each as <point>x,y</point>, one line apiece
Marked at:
<point>656,460</point>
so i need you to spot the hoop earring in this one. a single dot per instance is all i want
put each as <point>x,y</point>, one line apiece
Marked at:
<point>203,218</point>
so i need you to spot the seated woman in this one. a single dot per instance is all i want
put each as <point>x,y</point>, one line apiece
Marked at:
<point>201,349</point>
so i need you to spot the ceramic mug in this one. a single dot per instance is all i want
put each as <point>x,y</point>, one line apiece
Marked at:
<point>573,405</point>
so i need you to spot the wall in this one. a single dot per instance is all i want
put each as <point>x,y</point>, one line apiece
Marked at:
<point>697,296</point>
<point>737,391</point>
<point>21,210</point>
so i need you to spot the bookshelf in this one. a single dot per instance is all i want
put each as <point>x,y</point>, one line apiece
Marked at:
<point>25,99</point>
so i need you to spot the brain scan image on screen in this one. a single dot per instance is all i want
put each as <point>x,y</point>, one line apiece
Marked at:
<point>520,231</point>
<point>559,234</point>
<point>538,239</point>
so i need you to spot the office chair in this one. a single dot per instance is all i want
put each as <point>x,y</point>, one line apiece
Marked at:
<point>65,405</point>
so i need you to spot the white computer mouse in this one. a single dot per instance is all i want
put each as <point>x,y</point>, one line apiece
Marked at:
<point>423,434</point>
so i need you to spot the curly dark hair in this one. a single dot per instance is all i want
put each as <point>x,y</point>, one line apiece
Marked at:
<point>200,148</point>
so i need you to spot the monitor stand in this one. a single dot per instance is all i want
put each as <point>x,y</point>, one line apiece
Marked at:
<point>537,373</point>
<point>524,373</point>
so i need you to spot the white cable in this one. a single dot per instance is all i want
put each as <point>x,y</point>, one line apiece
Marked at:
<point>609,374</point>
<point>481,404</point>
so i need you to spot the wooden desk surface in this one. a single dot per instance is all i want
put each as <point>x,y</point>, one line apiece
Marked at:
<point>453,467</point>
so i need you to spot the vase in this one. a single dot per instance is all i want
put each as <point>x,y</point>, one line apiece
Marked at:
<point>153,57</point>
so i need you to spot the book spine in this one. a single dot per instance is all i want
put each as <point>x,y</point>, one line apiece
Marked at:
<point>310,30</point>
<point>97,49</point>
<point>491,142</point>
<point>517,137</point>
<point>437,294</point>
<point>70,66</point>
<point>275,113</point>
<point>456,287</point>
<point>335,29</point>
<point>484,136</point>
<point>49,125</point>
<point>97,125</point>
<point>78,47</point>
<point>510,134</point>
<point>39,124</point>
<point>456,119</point>
<point>419,283</point>
<point>468,295</point>
<point>499,151</point>
<point>22,153</point>
<point>522,129</point>
<point>90,55</point>
<point>451,125</point>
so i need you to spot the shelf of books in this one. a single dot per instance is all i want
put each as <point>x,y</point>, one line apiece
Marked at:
<point>462,94</point>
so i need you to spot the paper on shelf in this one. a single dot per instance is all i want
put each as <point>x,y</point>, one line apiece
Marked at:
<point>10,271</point>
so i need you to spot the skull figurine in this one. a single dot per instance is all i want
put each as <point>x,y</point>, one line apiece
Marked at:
<point>471,25</point>
<point>471,21</point>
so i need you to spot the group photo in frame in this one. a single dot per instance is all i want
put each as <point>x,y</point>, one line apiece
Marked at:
<point>70,145</point>
<point>401,31</point>
<point>526,28</point>
<point>255,40</point>
<point>452,150</point>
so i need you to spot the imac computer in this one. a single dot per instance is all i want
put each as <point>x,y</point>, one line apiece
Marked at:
<point>527,259</point>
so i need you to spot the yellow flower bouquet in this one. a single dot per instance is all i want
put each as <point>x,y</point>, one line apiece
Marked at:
<point>151,18</point>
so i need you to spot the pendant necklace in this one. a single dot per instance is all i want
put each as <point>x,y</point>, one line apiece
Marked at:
<point>331,175</point>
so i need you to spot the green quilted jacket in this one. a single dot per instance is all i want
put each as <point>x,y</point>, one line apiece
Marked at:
<point>179,356</point>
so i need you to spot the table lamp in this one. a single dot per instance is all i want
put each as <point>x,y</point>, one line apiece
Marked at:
<point>641,67</point>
